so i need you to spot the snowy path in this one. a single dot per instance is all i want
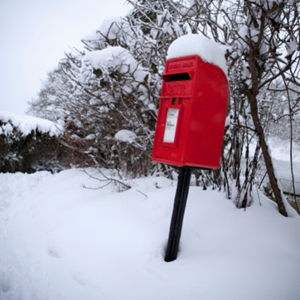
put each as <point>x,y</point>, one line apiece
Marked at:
<point>60,241</point>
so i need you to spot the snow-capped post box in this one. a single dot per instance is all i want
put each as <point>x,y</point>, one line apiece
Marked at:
<point>191,117</point>
<point>192,113</point>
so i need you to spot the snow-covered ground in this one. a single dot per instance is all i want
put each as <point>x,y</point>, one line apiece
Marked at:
<point>59,240</point>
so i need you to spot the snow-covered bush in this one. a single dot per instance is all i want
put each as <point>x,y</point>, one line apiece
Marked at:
<point>100,93</point>
<point>30,144</point>
<point>115,84</point>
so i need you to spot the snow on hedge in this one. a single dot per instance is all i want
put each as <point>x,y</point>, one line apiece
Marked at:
<point>197,44</point>
<point>168,24</point>
<point>112,58</point>
<point>110,28</point>
<point>27,123</point>
<point>125,136</point>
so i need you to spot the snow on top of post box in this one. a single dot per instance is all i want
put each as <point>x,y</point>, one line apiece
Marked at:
<point>197,44</point>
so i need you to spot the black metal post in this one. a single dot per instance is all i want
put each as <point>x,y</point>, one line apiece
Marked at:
<point>178,213</point>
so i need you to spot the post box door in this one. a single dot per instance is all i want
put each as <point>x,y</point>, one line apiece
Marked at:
<point>170,130</point>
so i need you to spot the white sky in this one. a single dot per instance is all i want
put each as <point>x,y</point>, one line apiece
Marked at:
<point>35,34</point>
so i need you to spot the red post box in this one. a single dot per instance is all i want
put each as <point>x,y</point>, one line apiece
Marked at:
<point>192,113</point>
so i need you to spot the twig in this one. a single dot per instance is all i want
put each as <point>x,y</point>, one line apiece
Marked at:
<point>142,193</point>
<point>258,195</point>
<point>109,179</point>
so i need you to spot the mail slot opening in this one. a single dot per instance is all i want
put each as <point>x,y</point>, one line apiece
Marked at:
<point>177,77</point>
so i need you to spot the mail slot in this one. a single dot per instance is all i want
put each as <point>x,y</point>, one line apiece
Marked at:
<point>192,113</point>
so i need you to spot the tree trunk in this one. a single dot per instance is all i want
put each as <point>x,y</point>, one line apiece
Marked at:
<point>268,160</point>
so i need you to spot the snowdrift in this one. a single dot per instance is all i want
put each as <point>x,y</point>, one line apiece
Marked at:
<point>59,240</point>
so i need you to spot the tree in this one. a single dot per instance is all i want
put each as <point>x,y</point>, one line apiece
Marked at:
<point>261,37</point>
<point>262,42</point>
